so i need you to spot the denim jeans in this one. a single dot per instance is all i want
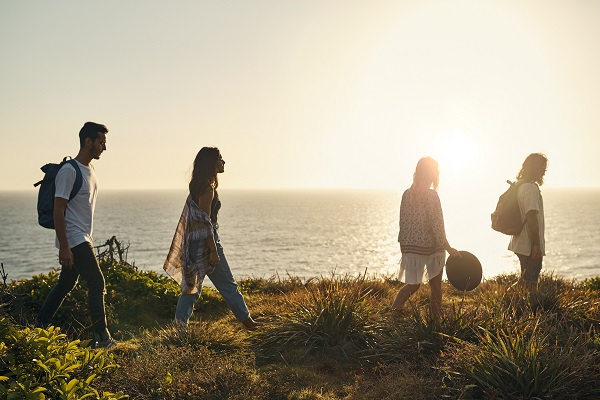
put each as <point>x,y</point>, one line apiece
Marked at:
<point>223,280</point>
<point>86,266</point>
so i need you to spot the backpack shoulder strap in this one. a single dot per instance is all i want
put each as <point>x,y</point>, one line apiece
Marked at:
<point>78,179</point>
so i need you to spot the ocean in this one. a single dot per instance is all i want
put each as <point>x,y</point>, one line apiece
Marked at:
<point>304,233</point>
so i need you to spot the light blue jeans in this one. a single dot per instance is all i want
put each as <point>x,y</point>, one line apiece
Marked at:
<point>223,280</point>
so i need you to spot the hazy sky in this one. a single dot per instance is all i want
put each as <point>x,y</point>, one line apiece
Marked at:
<point>303,93</point>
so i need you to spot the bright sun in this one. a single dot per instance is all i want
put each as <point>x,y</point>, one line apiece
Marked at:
<point>454,152</point>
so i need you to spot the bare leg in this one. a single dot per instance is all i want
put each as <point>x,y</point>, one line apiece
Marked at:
<point>403,295</point>
<point>435,284</point>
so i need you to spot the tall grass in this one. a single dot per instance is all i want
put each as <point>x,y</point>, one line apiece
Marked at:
<point>415,333</point>
<point>335,338</point>
<point>529,345</point>
<point>273,285</point>
<point>331,312</point>
<point>456,322</point>
<point>523,362</point>
<point>215,336</point>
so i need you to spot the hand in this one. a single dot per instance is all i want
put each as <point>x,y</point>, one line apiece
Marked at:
<point>214,259</point>
<point>453,252</point>
<point>65,258</point>
<point>536,252</point>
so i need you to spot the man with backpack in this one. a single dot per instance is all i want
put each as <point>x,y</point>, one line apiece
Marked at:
<point>528,243</point>
<point>73,222</point>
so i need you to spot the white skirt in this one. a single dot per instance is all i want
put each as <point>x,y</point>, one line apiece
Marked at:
<point>416,269</point>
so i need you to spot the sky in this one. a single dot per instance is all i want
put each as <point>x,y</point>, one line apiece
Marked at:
<point>303,94</point>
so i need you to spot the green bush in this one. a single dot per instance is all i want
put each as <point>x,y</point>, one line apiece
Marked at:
<point>133,298</point>
<point>273,285</point>
<point>42,363</point>
<point>592,283</point>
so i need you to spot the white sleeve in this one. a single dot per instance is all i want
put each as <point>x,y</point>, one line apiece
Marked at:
<point>64,181</point>
<point>531,198</point>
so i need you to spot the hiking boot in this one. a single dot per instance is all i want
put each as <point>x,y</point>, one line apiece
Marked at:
<point>104,341</point>
<point>251,325</point>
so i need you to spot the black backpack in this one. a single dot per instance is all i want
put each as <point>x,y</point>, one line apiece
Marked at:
<point>45,203</point>
<point>507,216</point>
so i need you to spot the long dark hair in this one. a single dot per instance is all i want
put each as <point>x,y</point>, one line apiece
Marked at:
<point>204,175</point>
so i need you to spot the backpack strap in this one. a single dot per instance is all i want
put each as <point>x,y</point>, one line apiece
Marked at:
<point>78,178</point>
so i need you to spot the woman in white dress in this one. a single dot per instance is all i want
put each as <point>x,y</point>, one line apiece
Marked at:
<point>422,237</point>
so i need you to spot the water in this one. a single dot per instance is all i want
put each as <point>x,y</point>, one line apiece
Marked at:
<point>304,233</point>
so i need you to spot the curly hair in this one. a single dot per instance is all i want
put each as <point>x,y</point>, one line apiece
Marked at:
<point>534,168</point>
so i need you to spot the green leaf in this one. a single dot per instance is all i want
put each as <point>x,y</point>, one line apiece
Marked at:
<point>90,378</point>
<point>72,384</point>
<point>42,365</point>
<point>168,379</point>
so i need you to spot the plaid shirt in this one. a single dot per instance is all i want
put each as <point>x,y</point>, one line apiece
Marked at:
<point>187,261</point>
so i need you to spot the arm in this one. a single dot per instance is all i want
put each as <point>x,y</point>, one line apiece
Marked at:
<point>65,256</point>
<point>452,251</point>
<point>531,206</point>
<point>204,202</point>
<point>533,230</point>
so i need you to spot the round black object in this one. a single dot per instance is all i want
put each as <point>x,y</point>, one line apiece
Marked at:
<point>464,272</point>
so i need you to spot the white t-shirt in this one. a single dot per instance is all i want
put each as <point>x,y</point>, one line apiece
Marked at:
<point>79,216</point>
<point>530,198</point>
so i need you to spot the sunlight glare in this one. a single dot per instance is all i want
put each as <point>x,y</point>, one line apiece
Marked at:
<point>454,152</point>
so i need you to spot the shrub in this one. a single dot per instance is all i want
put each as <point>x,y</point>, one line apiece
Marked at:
<point>273,285</point>
<point>580,308</point>
<point>332,312</point>
<point>217,336</point>
<point>523,362</point>
<point>567,302</point>
<point>42,363</point>
<point>455,322</point>
<point>133,298</point>
<point>139,297</point>
<point>592,283</point>
<point>397,342</point>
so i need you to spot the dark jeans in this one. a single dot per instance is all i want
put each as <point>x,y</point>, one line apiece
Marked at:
<point>530,268</point>
<point>87,267</point>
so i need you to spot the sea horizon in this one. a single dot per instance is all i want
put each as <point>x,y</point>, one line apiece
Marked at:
<point>303,232</point>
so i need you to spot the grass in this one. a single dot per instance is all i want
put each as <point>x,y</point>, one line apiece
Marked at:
<point>334,337</point>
